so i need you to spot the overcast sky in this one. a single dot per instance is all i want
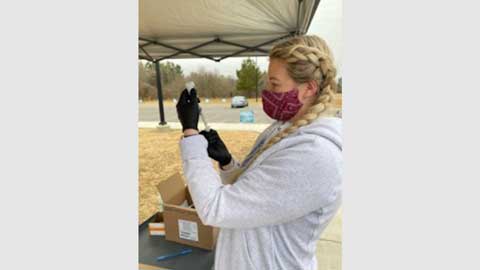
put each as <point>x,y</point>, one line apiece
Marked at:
<point>327,23</point>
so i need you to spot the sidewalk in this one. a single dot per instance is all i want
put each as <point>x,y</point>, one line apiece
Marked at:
<point>216,126</point>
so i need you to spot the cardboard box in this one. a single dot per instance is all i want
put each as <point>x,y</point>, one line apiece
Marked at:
<point>157,226</point>
<point>182,224</point>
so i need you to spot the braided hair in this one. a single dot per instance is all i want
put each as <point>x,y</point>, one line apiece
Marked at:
<point>307,58</point>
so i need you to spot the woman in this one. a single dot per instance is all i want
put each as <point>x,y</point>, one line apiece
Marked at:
<point>272,208</point>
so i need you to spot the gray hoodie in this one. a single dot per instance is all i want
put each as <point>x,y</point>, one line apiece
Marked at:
<point>273,215</point>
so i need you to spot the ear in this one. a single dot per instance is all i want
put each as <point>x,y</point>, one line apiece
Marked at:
<point>310,90</point>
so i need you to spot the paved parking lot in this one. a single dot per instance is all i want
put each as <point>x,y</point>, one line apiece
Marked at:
<point>214,113</point>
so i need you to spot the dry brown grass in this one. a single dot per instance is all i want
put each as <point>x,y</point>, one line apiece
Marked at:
<point>159,157</point>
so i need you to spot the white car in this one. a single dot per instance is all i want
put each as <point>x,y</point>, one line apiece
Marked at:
<point>239,102</point>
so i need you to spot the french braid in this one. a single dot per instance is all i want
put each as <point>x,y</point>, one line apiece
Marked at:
<point>308,58</point>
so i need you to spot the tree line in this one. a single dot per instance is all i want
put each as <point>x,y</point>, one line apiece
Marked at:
<point>250,81</point>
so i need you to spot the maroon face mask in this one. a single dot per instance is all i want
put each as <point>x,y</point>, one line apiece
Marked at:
<point>281,106</point>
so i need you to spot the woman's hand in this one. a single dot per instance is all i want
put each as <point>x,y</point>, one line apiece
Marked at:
<point>188,110</point>
<point>216,148</point>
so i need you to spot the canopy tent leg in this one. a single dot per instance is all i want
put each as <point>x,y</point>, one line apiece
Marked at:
<point>160,94</point>
<point>256,81</point>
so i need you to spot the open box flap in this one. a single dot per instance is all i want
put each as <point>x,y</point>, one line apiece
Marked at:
<point>172,189</point>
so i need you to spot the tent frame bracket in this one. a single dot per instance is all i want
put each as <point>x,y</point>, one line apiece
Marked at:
<point>150,42</point>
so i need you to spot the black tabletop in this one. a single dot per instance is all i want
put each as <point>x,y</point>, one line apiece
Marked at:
<point>150,247</point>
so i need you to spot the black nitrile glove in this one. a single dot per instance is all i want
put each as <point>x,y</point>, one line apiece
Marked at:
<point>216,148</point>
<point>188,109</point>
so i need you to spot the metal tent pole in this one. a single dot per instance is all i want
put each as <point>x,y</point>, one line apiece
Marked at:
<point>256,80</point>
<point>159,94</point>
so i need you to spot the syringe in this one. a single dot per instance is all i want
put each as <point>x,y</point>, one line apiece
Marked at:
<point>191,85</point>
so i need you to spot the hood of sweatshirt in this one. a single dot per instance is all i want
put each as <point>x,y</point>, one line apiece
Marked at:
<point>326,127</point>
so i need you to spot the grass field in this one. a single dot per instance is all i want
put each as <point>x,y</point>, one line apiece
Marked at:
<point>159,157</point>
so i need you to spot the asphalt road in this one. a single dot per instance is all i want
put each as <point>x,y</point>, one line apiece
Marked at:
<point>214,113</point>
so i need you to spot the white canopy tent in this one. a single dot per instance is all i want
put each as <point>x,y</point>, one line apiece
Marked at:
<point>215,30</point>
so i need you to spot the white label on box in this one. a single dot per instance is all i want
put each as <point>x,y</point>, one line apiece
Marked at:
<point>188,230</point>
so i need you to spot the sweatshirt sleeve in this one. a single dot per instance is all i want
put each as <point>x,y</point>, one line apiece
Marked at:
<point>291,182</point>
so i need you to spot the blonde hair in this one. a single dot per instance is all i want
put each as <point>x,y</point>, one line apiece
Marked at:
<point>307,58</point>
